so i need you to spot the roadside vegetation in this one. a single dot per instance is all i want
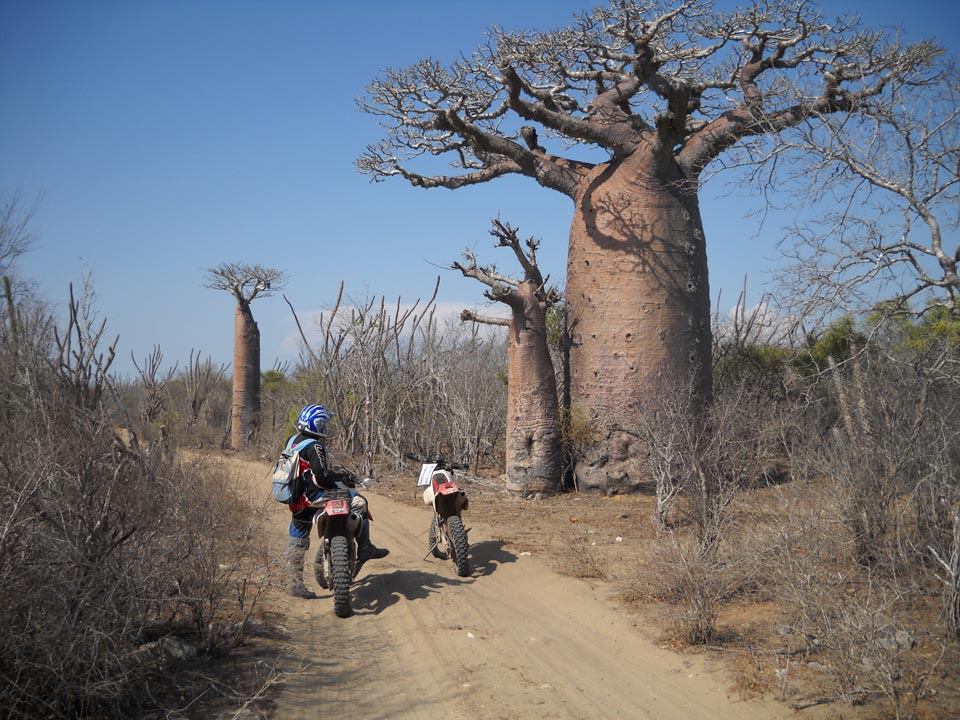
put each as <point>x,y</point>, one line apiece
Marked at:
<point>118,561</point>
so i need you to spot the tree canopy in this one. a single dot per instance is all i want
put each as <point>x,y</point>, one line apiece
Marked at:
<point>686,78</point>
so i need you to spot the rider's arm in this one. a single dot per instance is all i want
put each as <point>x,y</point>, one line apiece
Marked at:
<point>316,455</point>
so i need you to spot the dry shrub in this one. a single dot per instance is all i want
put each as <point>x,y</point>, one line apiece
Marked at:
<point>581,559</point>
<point>106,551</point>
<point>700,464</point>
<point>852,561</point>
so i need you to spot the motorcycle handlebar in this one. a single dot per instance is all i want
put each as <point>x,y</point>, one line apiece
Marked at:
<point>438,459</point>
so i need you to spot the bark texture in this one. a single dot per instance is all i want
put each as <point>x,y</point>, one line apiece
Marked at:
<point>664,89</point>
<point>533,437</point>
<point>534,463</point>
<point>638,304</point>
<point>245,410</point>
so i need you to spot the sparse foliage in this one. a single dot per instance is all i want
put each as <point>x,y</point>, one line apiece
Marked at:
<point>81,362</point>
<point>898,159</point>
<point>107,553</point>
<point>154,383</point>
<point>16,237</point>
<point>400,384</point>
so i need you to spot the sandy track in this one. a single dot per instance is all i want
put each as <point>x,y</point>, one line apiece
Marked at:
<point>514,640</point>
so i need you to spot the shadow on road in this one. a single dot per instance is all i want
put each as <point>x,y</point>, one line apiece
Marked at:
<point>374,593</point>
<point>486,556</point>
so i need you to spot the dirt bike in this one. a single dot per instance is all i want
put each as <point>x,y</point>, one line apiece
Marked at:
<point>448,536</point>
<point>336,564</point>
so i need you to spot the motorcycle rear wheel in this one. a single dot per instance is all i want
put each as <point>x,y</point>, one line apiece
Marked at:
<point>340,575</point>
<point>458,545</point>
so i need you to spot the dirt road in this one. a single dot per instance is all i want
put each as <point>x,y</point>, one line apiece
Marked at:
<point>514,640</point>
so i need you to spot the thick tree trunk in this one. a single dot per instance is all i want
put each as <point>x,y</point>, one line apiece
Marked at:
<point>245,412</point>
<point>533,461</point>
<point>638,302</point>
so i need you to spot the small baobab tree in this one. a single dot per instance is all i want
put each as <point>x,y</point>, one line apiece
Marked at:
<point>245,283</point>
<point>533,459</point>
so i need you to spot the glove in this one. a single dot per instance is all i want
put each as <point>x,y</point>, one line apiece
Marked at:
<point>366,483</point>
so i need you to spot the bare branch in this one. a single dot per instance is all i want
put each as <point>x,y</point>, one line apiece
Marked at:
<point>245,282</point>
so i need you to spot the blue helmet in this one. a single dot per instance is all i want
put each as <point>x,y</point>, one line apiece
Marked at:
<point>313,420</point>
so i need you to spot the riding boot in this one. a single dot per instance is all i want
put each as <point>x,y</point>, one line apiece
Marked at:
<point>366,550</point>
<point>296,553</point>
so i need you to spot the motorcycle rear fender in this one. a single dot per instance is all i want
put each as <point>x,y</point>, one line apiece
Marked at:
<point>451,503</point>
<point>340,524</point>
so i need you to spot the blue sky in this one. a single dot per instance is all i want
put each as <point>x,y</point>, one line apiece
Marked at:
<point>169,136</point>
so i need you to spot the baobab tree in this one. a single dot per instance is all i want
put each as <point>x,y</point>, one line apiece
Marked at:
<point>663,90</point>
<point>533,460</point>
<point>245,283</point>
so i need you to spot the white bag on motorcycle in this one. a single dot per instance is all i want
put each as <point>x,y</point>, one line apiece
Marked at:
<point>287,472</point>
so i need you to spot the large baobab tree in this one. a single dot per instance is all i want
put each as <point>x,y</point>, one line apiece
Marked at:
<point>663,89</point>
<point>245,283</point>
<point>533,461</point>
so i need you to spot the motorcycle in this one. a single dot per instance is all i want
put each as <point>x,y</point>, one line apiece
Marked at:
<point>336,565</point>
<point>447,536</point>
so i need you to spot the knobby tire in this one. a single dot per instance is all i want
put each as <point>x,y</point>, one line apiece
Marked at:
<point>340,575</point>
<point>458,545</point>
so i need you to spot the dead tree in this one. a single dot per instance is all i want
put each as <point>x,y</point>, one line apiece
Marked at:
<point>200,379</point>
<point>154,384</point>
<point>533,459</point>
<point>360,348</point>
<point>80,362</point>
<point>245,283</point>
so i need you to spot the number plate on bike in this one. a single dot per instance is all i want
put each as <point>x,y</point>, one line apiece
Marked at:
<point>337,507</point>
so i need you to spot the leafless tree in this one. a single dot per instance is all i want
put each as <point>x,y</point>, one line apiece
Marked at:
<point>665,89</point>
<point>360,348</point>
<point>898,163</point>
<point>246,283</point>
<point>16,237</point>
<point>533,458</point>
<point>81,363</point>
<point>154,384</point>
<point>200,377</point>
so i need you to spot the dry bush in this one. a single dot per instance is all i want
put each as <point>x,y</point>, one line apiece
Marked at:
<point>580,558</point>
<point>701,464</point>
<point>107,553</point>
<point>576,434</point>
<point>863,537</point>
<point>399,383</point>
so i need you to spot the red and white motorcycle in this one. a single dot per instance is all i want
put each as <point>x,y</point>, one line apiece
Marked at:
<point>338,524</point>
<point>448,536</point>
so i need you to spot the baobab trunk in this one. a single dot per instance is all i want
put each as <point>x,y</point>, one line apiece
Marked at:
<point>638,304</point>
<point>533,461</point>
<point>245,412</point>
